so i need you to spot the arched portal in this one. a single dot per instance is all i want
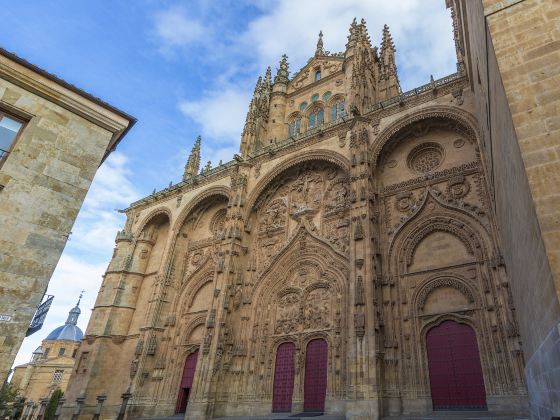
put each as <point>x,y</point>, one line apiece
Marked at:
<point>456,379</point>
<point>186,382</point>
<point>283,378</point>
<point>315,388</point>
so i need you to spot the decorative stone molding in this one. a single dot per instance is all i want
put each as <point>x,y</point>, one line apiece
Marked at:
<point>219,190</point>
<point>465,122</point>
<point>442,281</point>
<point>151,215</point>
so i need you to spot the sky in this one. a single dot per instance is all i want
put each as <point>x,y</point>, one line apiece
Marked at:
<point>184,68</point>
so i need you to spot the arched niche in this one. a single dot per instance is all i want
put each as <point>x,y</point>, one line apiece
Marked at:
<point>151,242</point>
<point>439,248</point>
<point>424,148</point>
<point>196,334</point>
<point>314,190</point>
<point>202,298</point>
<point>414,124</point>
<point>205,220</point>
<point>148,256</point>
<point>445,299</point>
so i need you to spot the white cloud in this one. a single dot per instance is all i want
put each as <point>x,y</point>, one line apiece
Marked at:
<point>98,222</point>
<point>71,276</point>
<point>175,28</point>
<point>220,112</point>
<point>422,31</point>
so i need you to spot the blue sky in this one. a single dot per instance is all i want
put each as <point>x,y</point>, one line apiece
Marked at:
<point>185,68</point>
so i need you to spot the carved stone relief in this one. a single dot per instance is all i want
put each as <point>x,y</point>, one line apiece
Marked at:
<point>316,192</point>
<point>425,157</point>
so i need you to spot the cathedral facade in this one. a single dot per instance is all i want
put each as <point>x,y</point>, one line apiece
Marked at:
<point>347,260</point>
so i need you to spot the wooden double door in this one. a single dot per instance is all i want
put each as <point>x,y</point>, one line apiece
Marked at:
<point>456,379</point>
<point>315,384</point>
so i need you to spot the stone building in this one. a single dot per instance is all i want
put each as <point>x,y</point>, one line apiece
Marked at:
<point>53,137</point>
<point>51,363</point>
<point>369,252</point>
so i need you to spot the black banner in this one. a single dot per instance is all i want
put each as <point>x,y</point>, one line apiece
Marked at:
<point>39,317</point>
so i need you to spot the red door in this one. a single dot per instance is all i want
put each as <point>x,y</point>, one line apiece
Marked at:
<point>456,377</point>
<point>186,382</point>
<point>315,388</point>
<point>283,378</point>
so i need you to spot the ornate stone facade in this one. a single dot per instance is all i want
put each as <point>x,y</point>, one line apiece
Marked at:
<point>355,214</point>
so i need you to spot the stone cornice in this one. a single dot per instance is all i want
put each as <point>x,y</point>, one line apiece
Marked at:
<point>383,109</point>
<point>35,80</point>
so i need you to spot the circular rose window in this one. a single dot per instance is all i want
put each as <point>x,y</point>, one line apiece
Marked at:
<point>425,158</point>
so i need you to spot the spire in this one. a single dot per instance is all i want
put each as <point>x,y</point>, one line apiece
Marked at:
<point>193,162</point>
<point>75,312</point>
<point>352,35</point>
<point>256,121</point>
<point>268,77</point>
<point>388,63</point>
<point>283,74</point>
<point>362,69</point>
<point>387,40</point>
<point>320,50</point>
<point>258,88</point>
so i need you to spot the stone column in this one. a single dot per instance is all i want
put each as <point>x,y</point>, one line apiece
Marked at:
<point>100,400</point>
<point>79,403</point>
<point>59,408</point>
<point>217,349</point>
<point>26,410</point>
<point>363,369</point>
<point>32,413</point>
<point>43,406</point>
<point>125,397</point>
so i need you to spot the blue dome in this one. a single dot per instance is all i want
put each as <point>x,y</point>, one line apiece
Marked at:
<point>69,332</point>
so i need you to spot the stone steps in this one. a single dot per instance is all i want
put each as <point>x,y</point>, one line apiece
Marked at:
<point>438,415</point>
<point>287,416</point>
<point>275,416</point>
<point>460,415</point>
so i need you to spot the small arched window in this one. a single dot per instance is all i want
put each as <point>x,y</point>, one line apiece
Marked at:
<point>337,111</point>
<point>316,118</point>
<point>318,75</point>
<point>293,127</point>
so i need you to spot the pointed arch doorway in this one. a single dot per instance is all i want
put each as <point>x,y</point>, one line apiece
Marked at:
<point>456,379</point>
<point>315,387</point>
<point>186,382</point>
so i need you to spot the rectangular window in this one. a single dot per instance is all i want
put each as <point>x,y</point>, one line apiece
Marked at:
<point>61,351</point>
<point>74,353</point>
<point>10,127</point>
<point>57,375</point>
<point>47,351</point>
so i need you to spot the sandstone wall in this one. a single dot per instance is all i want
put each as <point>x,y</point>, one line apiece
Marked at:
<point>513,53</point>
<point>44,182</point>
